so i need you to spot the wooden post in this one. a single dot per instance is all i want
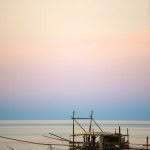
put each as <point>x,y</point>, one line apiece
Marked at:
<point>91,116</point>
<point>119,137</point>
<point>147,142</point>
<point>128,137</point>
<point>73,128</point>
<point>90,127</point>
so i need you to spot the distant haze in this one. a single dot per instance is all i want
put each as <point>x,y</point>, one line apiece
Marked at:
<point>57,56</point>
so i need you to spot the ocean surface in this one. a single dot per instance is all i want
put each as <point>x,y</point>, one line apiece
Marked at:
<point>35,131</point>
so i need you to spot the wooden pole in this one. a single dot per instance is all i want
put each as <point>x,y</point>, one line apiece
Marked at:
<point>79,125</point>
<point>59,137</point>
<point>55,138</point>
<point>32,142</point>
<point>91,116</point>
<point>119,137</point>
<point>119,130</point>
<point>97,124</point>
<point>147,142</point>
<point>128,137</point>
<point>73,128</point>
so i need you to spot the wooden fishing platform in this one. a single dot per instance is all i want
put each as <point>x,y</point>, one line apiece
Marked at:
<point>97,140</point>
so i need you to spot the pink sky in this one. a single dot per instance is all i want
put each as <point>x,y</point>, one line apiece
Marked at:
<point>97,51</point>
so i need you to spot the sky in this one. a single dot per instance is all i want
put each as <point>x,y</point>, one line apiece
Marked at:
<point>57,56</point>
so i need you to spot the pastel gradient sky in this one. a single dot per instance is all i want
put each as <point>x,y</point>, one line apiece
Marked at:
<point>57,56</point>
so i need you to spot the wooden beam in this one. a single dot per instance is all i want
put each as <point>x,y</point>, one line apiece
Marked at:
<point>73,128</point>
<point>81,118</point>
<point>54,138</point>
<point>97,125</point>
<point>59,137</point>
<point>80,125</point>
<point>13,139</point>
<point>91,117</point>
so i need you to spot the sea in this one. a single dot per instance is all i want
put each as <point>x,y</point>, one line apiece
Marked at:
<point>39,131</point>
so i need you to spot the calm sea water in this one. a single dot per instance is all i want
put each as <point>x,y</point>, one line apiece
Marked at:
<point>36,130</point>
